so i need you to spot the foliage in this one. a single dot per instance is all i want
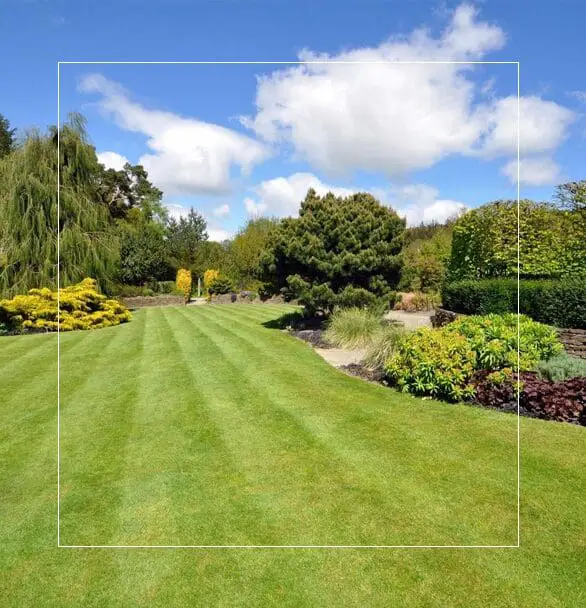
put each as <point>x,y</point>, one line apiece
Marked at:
<point>556,302</point>
<point>383,345</point>
<point>485,241</point>
<point>352,327</point>
<point>562,367</point>
<point>432,362</point>
<point>335,242</point>
<point>209,276</point>
<point>564,401</point>
<point>211,254</point>
<point>184,239</point>
<point>131,291</point>
<point>128,194</point>
<point>572,195</point>
<point>424,261</point>
<point>246,250</point>
<point>495,340</point>
<point>440,362</point>
<point>220,285</point>
<point>417,302</point>
<point>183,283</point>
<point>80,307</point>
<point>28,213</point>
<point>143,252</point>
<point>7,137</point>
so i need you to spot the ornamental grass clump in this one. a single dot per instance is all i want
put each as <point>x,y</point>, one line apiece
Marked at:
<point>352,327</point>
<point>81,306</point>
<point>384,344</point>
<point>183,283</point>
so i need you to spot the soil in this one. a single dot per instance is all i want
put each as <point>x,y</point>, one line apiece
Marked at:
<point>360,371</point>
<point>315,337</point>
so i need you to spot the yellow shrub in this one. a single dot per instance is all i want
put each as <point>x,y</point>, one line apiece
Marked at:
<point>183,283</point>
<point>209,276</point>
<point>81,306</point>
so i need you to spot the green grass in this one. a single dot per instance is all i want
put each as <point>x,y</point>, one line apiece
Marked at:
<point>352,327</point>
<point>201,425</point>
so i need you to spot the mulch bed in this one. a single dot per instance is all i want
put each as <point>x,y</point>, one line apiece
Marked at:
<point>312,336</point>
<point>360,371</point>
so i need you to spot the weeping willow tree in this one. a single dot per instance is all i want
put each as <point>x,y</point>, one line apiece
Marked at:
<point>29,226</point>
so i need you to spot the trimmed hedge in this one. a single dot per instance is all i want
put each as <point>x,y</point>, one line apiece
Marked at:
<point>556,302</point>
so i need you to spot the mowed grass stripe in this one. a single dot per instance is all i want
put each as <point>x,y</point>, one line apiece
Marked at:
<point>250,426</point>
<point>96,417</point>
<point>418,482</point>
<point>177,461</point>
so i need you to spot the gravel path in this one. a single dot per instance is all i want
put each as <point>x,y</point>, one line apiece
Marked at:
<point>411,320</point>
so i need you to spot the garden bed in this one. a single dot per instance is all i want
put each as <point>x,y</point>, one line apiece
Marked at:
<point>144,301</point>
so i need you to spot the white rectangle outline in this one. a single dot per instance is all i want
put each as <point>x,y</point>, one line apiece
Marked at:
<point>59,545</point>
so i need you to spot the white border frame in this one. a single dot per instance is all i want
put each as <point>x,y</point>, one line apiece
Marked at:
<point>59,545</point>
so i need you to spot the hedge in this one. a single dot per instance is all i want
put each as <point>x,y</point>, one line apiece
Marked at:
<point>556,302</point>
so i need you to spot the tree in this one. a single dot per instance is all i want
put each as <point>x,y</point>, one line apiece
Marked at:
<point>7,137</point>
<point>336,246</point>
<point>29,220</point>
<point>128,193</point>
<point>572,195</point>
<point>184,238</point>
<point>143,254</point>
<point>211,254</point>
<point>247,249</point>
<point>425,259</point>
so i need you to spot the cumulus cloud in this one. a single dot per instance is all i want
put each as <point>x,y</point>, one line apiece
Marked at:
<point>188,156</point>
<point>222,210</point>
<point>112,160</point>
<point>419,203</point>
<point>396,118</point>
<point>539,171</point>
<point>282,196</point>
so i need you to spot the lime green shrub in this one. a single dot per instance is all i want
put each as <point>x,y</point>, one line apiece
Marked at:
<point>432,362</point>
<point>81,307</point>
<point>495,340</point>
<point>440,362</point>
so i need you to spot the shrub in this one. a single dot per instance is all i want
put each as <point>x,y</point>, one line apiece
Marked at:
<point>494,339</point>
<point>165,287</point>
<point>220,285</point>
<point>384,343</point>
<point>208,277</point>
<point>417,302</point>
<point>352,327</point>
<point>485,242</point>
<point>132,291</point>
<point>81,307</point>
<point>433,362</point>
<point>440,362</point>
<point>183,283</point>
<point>355,297</point>
<point>562,367</point>
<point>556,302</point>
<point>564,401</point>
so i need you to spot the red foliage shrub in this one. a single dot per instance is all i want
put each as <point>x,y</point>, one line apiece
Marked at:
<point>540,398</point>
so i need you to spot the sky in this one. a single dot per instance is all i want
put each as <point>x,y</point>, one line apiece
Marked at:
<point>239,141</point>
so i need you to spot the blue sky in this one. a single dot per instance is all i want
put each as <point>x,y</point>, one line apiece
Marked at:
<point>240,140</point>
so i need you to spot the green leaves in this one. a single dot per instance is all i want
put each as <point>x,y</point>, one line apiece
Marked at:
<point>335,243</point>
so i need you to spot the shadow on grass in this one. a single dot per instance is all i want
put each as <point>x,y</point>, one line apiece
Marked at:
<point>295,320</point>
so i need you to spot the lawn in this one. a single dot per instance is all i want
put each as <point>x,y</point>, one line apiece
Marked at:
<point>207,426</point>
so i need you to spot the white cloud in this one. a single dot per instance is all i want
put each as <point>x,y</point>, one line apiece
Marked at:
<point>396,118</point>
<point>112,160</point>
<point>542,126</point>
<point>253,208</point>
<point>219,234</point>
<point>282,196</point>
<point>222,210</point>
<point>538,171</point>
<point>419,203</point>
<point>579,95</point>
<point>188,156</point>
